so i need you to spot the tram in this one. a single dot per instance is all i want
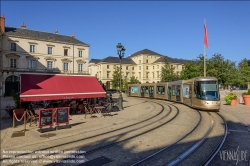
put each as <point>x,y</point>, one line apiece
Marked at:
<point>199,92</point>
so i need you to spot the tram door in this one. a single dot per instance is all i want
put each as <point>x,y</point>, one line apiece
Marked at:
<point>142,91</point>
<point>178,93</point>
<point>190,94</point>
<point>151,92</point>
<point>129,91</point>
<point>169,93</point>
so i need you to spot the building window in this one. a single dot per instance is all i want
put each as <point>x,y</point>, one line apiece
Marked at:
<point>32,48</point>
<point>147,67</point>
<point>133,74</point>
<point>49,50</point>
<point>13,46</point>
<point>153,67</point>
<point>158,74</point>
<point>146,61</point>
<point>147,75</point>
<point>79,67</point>
<point>139,61</point>
<point>32,64</point>
<point>153,75</point>
<point>139,67</point>
<point>114,66</point>
<point>80,53</point>
<point>50,65</point>
<point>107,66</point>
<point>139,74</point>
<point>157,66</point>
<point>132,68</point>
<point>126,67</point>
<point>127,75</point>
<point>65,52</point>
<point>65,66</point>
<point>12,63</point>
<point>107,74</point>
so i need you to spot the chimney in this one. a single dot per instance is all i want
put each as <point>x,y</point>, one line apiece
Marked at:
<point>23,26</point>
<point>2,23</point>
<point>73,35</point>
<point>56,31</point>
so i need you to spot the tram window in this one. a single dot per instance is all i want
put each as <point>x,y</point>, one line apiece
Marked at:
<point>146,90</point>
<point>197,90</point>
<point>173,90</point>
<point>178,87</point>
<point>160,90</point>
<point>209,90</point>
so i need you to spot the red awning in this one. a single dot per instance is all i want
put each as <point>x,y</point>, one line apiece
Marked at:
<point>35,87</point>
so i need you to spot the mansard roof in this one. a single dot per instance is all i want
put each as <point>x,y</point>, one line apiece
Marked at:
<point>38,35</point>
<point>172,60</point>
<point>145,51</point>
<point>111,59</point>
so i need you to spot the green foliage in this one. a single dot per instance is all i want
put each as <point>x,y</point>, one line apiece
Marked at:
<point>116,79</point>
<point>246,93</point>
<point>191,70</point>
<point>16,98</point>
<point>167,73</point>
<point>244,72</point>
<point>134,80</point>
<point>230,97</point>
<point>125,84</point>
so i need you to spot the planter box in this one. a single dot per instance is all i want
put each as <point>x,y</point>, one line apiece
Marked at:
<point>246,99</point>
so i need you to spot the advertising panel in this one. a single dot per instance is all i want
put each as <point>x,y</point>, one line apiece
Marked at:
<point>134,89</point>
<point>185,91</point>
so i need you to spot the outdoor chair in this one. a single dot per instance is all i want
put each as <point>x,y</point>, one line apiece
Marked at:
<point>31,117</point>
<point>73,108</point>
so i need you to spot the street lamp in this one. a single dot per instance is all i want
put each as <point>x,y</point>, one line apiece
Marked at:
<point>120,52</point>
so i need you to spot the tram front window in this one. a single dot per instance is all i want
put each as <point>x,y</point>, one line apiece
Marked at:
<point>209,90</point>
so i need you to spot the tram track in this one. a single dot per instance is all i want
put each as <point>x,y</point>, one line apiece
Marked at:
<point>143,134</point>
<point>164,156</point>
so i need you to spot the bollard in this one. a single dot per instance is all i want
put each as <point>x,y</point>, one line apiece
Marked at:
<point>25,121</point>
<point>13,119</point>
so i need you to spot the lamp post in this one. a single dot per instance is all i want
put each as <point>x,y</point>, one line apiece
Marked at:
<point>120,52</point>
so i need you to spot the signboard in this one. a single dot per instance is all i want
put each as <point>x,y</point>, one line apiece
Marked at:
<point>46,117</point>
<point>134,89</point>
<point>62,115</point>
<point>185,91</point>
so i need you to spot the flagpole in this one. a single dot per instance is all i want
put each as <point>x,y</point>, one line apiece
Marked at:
<point>204,60</point>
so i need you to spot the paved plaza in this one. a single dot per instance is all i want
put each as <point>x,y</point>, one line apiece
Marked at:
<point>134,108</point>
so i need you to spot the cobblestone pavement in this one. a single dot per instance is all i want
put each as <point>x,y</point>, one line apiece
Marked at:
<point>238,119</point>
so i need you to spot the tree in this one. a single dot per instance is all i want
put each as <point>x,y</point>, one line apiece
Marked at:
<point>125,84</point>
<point>244,71</point>
<point>191,70</point>
<point>134,80</point>
<point>167,72</point>
<point>116,79</point>
<point>224,70</point>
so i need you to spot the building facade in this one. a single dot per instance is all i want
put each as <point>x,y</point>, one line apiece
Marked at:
<point>29,51</point>
<point>145,65</point>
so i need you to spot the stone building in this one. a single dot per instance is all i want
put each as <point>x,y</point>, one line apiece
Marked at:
<point>29,51</point>
<point>145,65</point>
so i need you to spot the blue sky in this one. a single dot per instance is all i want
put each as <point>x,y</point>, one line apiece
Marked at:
<point>170,28</point>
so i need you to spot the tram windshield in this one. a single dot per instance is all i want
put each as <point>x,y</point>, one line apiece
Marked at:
<point>207,90</point>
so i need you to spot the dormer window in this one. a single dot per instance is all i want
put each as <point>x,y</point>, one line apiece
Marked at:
<point>13,46</point>
<point>32,48</point>
<point>65,52</point>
